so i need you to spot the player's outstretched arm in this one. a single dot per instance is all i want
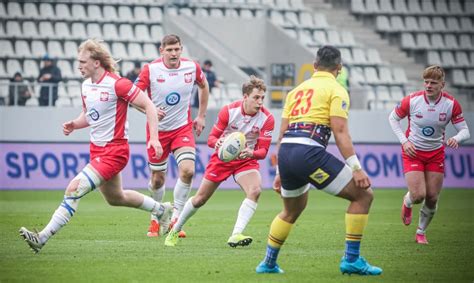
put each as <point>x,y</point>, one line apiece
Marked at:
<point>78,123</point>
<point>462,135</point>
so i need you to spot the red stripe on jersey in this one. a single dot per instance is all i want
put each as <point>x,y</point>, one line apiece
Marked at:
<point>144,79</point>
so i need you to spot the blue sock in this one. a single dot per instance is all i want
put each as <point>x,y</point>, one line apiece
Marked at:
<point>352,250</point>
<point>271,256</point>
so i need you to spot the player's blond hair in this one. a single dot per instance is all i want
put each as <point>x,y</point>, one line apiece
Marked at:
<point>254,82</point>
<point>434,72</point>
<point>99,51</point>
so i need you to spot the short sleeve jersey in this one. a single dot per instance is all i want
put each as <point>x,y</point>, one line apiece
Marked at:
<point>232,118</point>
<point>171,90</point>
<point>105,104</point>
<point>316,100</point>
<point>427,120</point>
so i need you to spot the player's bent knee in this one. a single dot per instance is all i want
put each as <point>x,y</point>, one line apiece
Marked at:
<point>86,181</point>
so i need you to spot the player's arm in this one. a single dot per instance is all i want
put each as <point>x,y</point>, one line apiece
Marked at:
<point>283,127</point>
<point>215,137</point>
<point>203,93</point>
<point>343,139</point>
<point>400,112</point>
<point>78,123</point>
<point>461,126</point>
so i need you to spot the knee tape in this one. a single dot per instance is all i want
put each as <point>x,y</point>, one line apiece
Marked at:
<point>87,182</point>
<point>186,155</point>
<point>163,166</point>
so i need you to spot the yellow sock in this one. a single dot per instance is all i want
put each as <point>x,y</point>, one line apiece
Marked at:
<point>279,231</point>
<point>355,224</point>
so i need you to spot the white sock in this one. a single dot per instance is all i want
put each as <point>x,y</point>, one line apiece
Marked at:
<point>152,206</point>
<point>188,211</point>
<point>158,194</point>
<point>180,194</point>
<point>407,200</point>
<point>426,214</point>
<point>60,218</point>
<point>246,211</point>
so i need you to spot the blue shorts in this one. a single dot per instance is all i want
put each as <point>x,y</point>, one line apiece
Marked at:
<point>300,164</point>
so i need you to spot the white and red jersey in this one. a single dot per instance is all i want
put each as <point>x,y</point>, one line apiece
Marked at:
<point>257,128</point>
<point>105,104</point>
<point>171,89</point>
<point>427,120</point>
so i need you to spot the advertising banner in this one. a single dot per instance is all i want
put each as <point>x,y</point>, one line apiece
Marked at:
<point>26,166</point>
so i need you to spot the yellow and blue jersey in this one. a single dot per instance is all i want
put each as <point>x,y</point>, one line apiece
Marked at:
<point>316,99</point>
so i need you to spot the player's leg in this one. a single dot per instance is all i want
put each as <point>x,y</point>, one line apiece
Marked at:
<point>87,180</point>
<point>434,183</point>
<point>204,193</point>
<point>185,157</point>
<point>413,168</point>
<point>116,196</point>
<point>250,181</point>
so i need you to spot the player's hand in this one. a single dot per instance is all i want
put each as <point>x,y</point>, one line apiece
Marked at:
<point>198,124</point>
<point>161,113</point>
<point>246,153</point>
<point>219,143</point>
<point>409,148</point>
<point>277,184</point>
<point>68,127</point>
<point>156,145</point>
<point>361,179</point>
<point>453,143</point>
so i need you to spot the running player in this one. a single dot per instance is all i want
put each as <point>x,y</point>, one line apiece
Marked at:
<point>428,112</point>
<point>250,117</point>
<point>169,81</point>
<point>105,97</point>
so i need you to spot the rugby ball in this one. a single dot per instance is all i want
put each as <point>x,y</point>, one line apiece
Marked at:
<point>232,146</point>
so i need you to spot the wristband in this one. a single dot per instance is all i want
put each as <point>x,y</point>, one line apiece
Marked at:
<point>353,163</point>
<point>277,171</point>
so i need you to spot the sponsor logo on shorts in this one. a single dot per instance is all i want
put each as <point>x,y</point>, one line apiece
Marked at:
<point>185,139</point>
<point>267,133</point>
<point>414,165</point>
<point>213,174</point>
<point>319,176</point>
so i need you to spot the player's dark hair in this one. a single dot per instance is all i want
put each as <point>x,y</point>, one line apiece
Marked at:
<point>170,39</point>
<point>327,58</point>
<point>254,82</point>
<point>434,72</point>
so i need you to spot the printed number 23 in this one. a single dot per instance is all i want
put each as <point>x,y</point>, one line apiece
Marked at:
<point>302,108</point>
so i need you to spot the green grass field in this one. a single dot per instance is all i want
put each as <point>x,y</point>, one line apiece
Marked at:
<point>104,244</point>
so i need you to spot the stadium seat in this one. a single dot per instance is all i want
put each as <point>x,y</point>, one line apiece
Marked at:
<point>451,41</point>
<point>157,33</point>
<point>142,33</point>
<point>79,12</point>
<point>78,31</point>
<point>305,38</point>
<point>371,76</point>
<point>455,7</point>
<point>62,30</point>
<point>246,14</point>
<point>125,14</point>
<point>372,6</point>
<point>399,75</point>
<point>422,41</point>
<point>411,24</point>
<point>437,41</point>
<point>465,42</point>
<point>357,76</point>
<point>283,5</point>
<point>110,32</point>
<point>62,12</point>
<point>38,48</point>
<point>462,60</point>
<point>427,7</point>
<point>382,24</point>
<point>400,7</point>
<point>320,37</point>
<point>470,77</point>
<point>386,7</point>
<point>135,52</point>
<point>70,49</point>
<point>46,11</point>
<point>74,90</point>
<point>31,11</point>
<point>46,30</point>
<point>126,32</point>
<point>3,10</point>
<point>438,24</point>
<point>358,7</point>
<point>119,50</point>
<point>188,12</point>
<point>425,24</point>
<point>292,19</point>
<point>33,101</point>
<point>459,78</point>
<point>306,19</point>
<point>385,75</point>
<point>126,67</point>
<point>14,10</point>
<point>447,58</point>
<point>231,13</point>
<point>94,31</point>
<point>31,69</point>
<point>94,13</point>
<point>156,15</point>
<point>414,7</point>
<point>383,93</point>
<point>359,56</point>
<point>22,49</point>
<point>433,58</point>
<point>334,38</point>
<point>6,49</point>
<point>407,41</point>
<point>30,30</point>
<point>55,50</point>
<point>452,24</point>
<point>4,84</point>
<point>347,38</point>
<point>13,66</point>
<point>277,18</point>
<point>346,56</point>
<point>110,14</point>
<point>66,70</point>
<point>320,21</point>
<point>140,14</point>
<point>396,93</point>
<point>441,7</point>
<point>298,5</point>
<point>13,29</point>
<point>63,102</point>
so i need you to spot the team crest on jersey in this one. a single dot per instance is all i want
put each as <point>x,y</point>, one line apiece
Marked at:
<point>160,79</point>
<point>442,117</point>
<point>344,105</point>
<point>188,78</point>
<point>104,96</point>
<point>234,127</point>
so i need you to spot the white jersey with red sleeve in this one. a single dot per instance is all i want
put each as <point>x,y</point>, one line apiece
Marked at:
<point>105,104</point>
<point>427,120</point>
<point>171,90</point>
<point>257,128</point>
